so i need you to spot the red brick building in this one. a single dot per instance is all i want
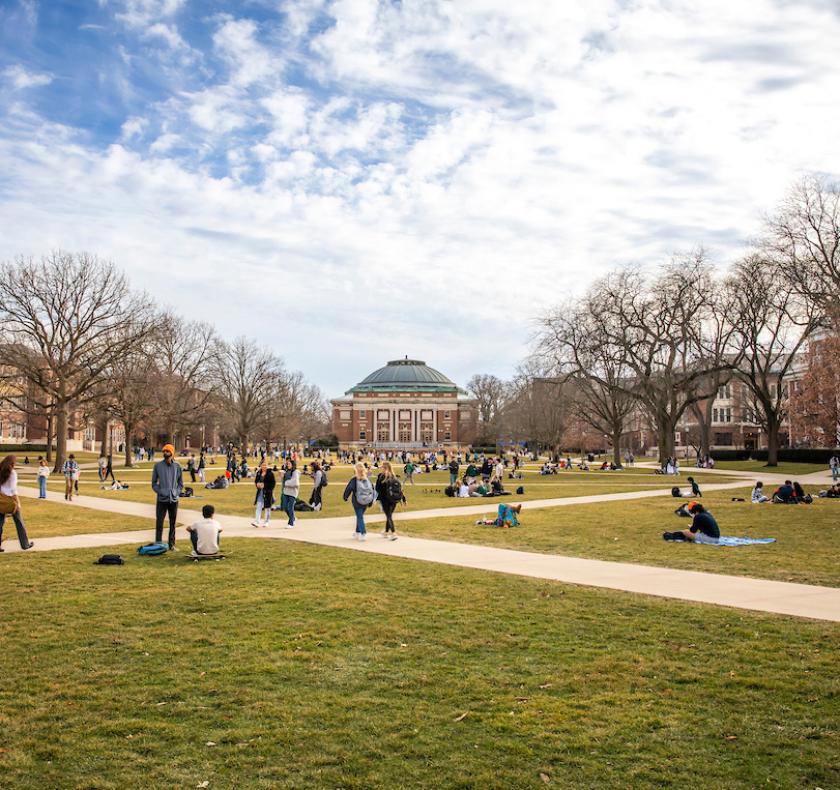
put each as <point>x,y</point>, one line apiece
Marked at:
<point>404,405</point>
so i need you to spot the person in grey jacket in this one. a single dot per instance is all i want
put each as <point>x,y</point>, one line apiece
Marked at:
<point>291,489</point>
<point>167,482</point>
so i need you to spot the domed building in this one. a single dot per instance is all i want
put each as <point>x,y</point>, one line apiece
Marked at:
<point>404,405</point>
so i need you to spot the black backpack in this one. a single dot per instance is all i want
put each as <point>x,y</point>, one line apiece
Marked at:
<point>324,481</point>
<point>449,491</point>
<point>393,490</point>
<point>675,492</point>
<point>110,559</point>
<point>520,490</point>
<point>188,492</point>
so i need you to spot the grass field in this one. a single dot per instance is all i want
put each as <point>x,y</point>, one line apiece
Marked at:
<point>759,467</point>
<point>428,493</point>
<point>805,551</point>
<point>292,666</point>
<point>47,519</point>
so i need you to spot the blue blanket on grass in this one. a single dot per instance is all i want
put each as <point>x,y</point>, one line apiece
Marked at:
<point>725,540</point>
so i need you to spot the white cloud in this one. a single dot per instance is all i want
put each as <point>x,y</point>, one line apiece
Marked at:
<point>443,171</point>
<point>20,78</point>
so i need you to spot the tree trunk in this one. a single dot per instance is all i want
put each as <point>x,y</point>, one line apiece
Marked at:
<point>50,421</point>
<point>772,442</point>
<point>61,422</point>
<point>616,440</point>
<point>665,430</point>
<point>129,433</point>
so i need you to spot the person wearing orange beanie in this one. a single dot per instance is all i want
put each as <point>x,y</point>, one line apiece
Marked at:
<point>167,483</point>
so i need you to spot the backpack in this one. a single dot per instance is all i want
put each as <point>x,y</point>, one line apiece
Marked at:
<point>110,559</point>
<point>364,492</point>
<point>520,490</point>
<point>393,490</point>
<point>449,490</point>
<point>152,549</point>
<point>188,492</point>
<point>675,492</point>
<point>324,481</point>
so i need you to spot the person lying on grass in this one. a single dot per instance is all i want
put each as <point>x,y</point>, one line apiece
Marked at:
<point>117,485</point>
<point>703,529</point>
<point>204,534</point>
<point>831,493</point>
<point>506,518</point>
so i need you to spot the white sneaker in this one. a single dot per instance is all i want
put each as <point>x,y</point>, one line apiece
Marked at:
<point>355,536</point>
<point>393,537</point>
<point>255,524</point>
<point>266,525</point>
<point>290,526</point>
<point>363,536</point>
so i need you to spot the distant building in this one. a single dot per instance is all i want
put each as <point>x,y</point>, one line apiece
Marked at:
<point>404,405</point>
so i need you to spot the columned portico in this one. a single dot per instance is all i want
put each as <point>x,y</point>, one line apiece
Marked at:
<point>405,404</point>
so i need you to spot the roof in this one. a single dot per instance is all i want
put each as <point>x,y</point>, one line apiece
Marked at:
<point>406,375</point>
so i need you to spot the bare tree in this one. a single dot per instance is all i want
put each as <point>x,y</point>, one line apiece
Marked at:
<point>599,380</point>
<point>537,409</point>
<point>68,317</point>
<point>183,354</point>
<point>771,322</point>
<point>492,394</point>
<point>131,395</point>
<point>815,397</point>
<point>246,376</point>
<point>660,332</point>
<point>804,238</point>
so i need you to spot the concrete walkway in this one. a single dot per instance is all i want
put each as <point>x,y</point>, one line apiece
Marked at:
<point>800,600</point>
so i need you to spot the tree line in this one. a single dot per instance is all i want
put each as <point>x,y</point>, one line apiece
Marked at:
<point>662,342</point>
<point>85,345</point>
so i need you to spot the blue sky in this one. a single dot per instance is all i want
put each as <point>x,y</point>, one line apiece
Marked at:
<point>351,181</point>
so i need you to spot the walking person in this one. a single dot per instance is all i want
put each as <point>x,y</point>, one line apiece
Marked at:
<point>167,482</point>
<point>834,464</point>
<point>409,472</point>
<point>43,474</point>
<point>202,463</point>
<point>109,469</point>
<point>319,480</point>
<point>265,483</point>
<point>10,502</point>
<point>389,492</point>
<point>291,488</point>
<point>362,495</point>
<point>454,468</point>
<point>191,467</point>
<point>70,470</point>
<point>101,467</point>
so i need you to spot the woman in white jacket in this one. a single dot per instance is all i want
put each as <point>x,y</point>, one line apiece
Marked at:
<point>8,488</point>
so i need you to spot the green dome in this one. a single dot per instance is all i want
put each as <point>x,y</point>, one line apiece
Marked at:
<point>405,375</point>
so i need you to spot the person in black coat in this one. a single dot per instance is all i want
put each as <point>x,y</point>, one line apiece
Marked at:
<point>265,483</point>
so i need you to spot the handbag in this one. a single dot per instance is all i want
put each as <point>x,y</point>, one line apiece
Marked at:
<point>8,504</point>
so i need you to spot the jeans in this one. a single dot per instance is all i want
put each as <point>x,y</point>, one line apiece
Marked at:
<point>262,508</point>
<point>360,518</point>
<point>23,539</point>
<point>42,487</point>
<point>452,478</point>
<point>288,505</point>
<point>164,509</point>
<point>835,473</point>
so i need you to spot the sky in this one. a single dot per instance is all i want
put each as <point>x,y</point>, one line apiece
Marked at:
<point>352,181</point>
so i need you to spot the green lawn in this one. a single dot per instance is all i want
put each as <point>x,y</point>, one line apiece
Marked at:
<point>428,493</point>
<point>48,519</point>
<point>793,469</point>
<point>805,551</point>
<point>293,666</point>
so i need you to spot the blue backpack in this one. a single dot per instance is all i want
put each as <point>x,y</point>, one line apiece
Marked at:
<point>152,549</point>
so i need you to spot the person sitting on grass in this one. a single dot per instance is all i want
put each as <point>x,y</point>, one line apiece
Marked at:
<point>831,493</point>
<point>204,534</point>
<point>757,496</point>
<point>800,494</point>
<point>785,495</point>
<point>695,489</point>
<point>703,529</point>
